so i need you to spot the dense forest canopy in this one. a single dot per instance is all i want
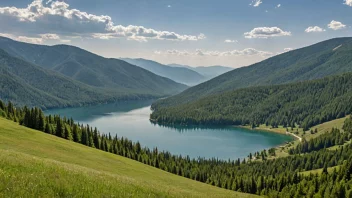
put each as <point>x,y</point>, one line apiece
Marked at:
<point>305,103</point>
<point>274,178</point>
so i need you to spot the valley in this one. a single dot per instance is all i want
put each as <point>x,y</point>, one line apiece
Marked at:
<point>131,120</point>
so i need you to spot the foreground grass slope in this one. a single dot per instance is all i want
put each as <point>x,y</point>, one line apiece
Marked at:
<point>33,163</point>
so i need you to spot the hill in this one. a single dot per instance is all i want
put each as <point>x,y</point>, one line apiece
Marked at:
<point>28,84</point>
<point>91,69</point>
<point>304,103</point>
<point>208,72</point>
<point>313,62</point>
<point>37,164</point>
<point>178,74</point>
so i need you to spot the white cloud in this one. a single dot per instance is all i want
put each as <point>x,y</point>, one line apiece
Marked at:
<point>348,2</point>
<point>58,18</point>
<point>336,25</point>
<point>256,3</point>
<point>199,52</point>
<point>50,36</point>
<point>278,6</point>
<point>288,49</point>
<point>35,40</point>
<point>65,41</point>
<point>230,41</point>
<point>266,32</point>
<point>26,39</point>
<point>314,29</point>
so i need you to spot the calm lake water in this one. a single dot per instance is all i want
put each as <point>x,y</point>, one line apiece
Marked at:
<point>131,120</point>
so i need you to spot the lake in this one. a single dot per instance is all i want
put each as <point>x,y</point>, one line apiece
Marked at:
<point>131,120</point>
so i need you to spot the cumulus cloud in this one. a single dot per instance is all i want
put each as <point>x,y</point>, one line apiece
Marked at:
<point>336,25</point>
<point>256,3</point>
<point>348,2</point>
<point>278,6</point>
<point>50,36</point>
<point>230,41</point>
<point>35,40</point>
<point>314,29</point>
<point>266,32</point>
<point>59,18</point>
<point>200,52</point>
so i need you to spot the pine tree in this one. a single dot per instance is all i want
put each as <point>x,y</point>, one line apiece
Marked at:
<point>75,133</point>
<point>47,128</point>
<point>84,138</point>
<point>41,122</point>
<point>68,134</point>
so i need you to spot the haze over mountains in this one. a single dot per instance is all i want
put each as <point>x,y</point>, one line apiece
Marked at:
<point>317,61</point>
<point>62,75</point>
<point>180,73</point>
<point>208,72</point>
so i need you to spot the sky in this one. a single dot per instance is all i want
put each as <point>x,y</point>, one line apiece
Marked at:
<point>231,33</point>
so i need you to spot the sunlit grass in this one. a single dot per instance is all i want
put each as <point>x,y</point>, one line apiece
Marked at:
<point>34,164</point>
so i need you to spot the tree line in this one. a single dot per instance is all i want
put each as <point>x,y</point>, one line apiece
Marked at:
<point>274,178</point>
<point>326,140</point>
<point>305,104</point>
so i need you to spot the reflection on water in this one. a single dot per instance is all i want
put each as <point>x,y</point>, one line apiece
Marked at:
<point>131,120</point>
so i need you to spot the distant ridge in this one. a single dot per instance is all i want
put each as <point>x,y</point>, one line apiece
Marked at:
<point>323,59</point>
<point>179,74</point>
<point>209,71</point>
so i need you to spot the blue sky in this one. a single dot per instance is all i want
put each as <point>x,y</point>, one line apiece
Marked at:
<point>189,32</point>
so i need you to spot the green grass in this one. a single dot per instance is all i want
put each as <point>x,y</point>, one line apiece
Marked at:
<point>319,171</point>
<point>34,164</point>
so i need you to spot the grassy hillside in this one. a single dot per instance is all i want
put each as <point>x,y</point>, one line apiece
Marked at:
<point>34,163</point>
<point>317,61</point>
<point>306,104</point>
<point>91,69</point>
<point>178,74</point>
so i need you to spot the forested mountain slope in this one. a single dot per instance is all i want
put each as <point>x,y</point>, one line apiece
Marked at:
<point>317,61</point>
<point>178,74</point>
<point>305,103</point>
<point>92,69</point>
<point>28,84</point>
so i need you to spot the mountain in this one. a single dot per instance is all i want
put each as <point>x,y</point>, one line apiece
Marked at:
<point>178,74</point>
<point>208,72</point>
<point>313,62</point>
<point>91,69</point>
<point>306,103</point>
<point>28,84</point>
<point>59,76</point>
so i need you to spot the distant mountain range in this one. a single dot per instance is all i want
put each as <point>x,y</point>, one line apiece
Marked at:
<point>323,59</point>
<point>208,72</point>
<point>180,73</point>
<point>62,75</point>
